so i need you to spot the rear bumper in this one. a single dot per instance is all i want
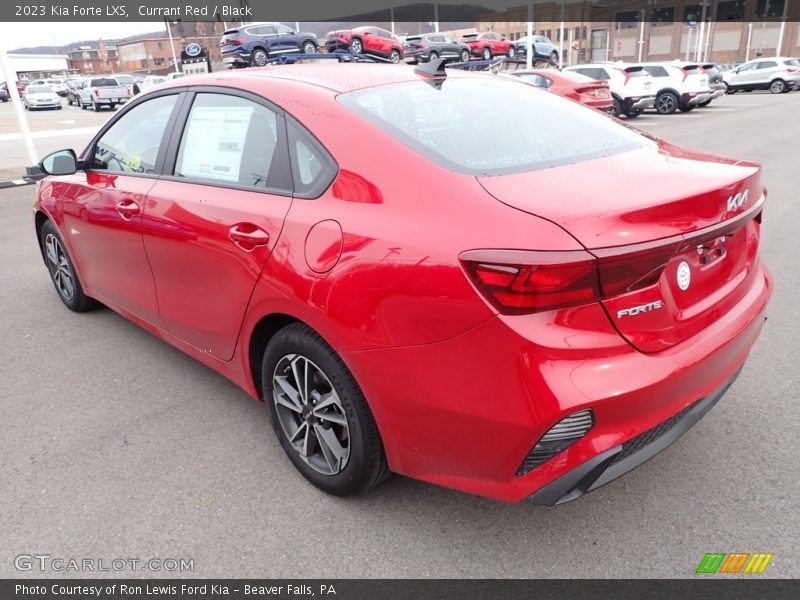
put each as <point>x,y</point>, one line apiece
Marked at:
<point>638,103</point>
<point>621,459</point>
<point>237,55</point>
<point>465,412</point>
<point>696,99</point>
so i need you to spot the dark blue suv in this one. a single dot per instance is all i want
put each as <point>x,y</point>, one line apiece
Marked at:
<point>256,43</point>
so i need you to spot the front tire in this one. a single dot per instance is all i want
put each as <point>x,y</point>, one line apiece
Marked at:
<point>729,90</point>
<point>465,56</point>
<point>320,415</point>
<point>395,56</point>
<point>486,53</point>
<point>356,47</point>
<point>62,271</point>
<point>309,47</point>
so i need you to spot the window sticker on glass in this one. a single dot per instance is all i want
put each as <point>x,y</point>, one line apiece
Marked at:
<point>226,129</point>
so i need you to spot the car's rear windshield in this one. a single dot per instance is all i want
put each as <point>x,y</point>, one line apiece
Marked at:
<point>39,89</point>
<point>792,62</point>
<point>576,77</point>
<point>464,124</point>
<point>103,82</point>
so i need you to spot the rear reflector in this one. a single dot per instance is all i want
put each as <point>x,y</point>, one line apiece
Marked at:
<point>557,439</point>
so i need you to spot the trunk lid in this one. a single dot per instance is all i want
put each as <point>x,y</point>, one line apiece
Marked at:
<point>675,233</point>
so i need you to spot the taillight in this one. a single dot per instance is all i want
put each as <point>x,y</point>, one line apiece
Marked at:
<point>234,42</point>
<point>627,76</point>
<point>685,74</point>
<point>521,281</point>
<point>629,268</point>
<point>96,91</point>
<point>791,69</point>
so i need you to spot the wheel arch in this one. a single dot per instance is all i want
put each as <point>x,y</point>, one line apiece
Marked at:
<point>260,335</point>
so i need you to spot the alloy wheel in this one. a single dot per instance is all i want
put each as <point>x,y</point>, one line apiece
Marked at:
<point>311,414</point>
<point>60,268</point>
<point>666,104</point>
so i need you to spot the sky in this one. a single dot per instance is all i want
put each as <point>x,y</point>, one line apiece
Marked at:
<point>22,35</point>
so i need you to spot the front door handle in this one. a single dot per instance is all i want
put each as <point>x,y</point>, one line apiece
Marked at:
<point>247,236</point>
<point>127,209</point>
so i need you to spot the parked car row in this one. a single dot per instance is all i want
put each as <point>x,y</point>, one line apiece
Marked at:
<point>257,43</point>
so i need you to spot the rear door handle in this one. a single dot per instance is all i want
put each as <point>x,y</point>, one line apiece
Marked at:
<point>247,236</point>
<point>127,209</point>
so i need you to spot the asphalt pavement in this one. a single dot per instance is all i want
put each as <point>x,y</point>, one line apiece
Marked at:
<point>115,445</point>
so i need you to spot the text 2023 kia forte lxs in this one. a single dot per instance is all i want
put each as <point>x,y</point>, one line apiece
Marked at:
<point>413,281</point>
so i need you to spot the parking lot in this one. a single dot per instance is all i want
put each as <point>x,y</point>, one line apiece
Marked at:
<point>115,444</point>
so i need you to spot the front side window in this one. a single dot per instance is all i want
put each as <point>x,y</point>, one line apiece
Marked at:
<point>132,143</point>
<point>232,140</point>
<point>439,121</point>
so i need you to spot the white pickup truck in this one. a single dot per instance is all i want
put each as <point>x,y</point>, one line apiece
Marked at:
<point>98,92</point>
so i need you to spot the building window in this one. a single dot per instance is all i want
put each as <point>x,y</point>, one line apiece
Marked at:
<point>693,12</point>
<point>775,8</point>
<point>732,10</point>
<point>663,16</point>
<point>160,46</point>
<point>626,20</point>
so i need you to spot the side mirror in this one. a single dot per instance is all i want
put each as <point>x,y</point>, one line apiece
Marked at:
<point>61,162</point>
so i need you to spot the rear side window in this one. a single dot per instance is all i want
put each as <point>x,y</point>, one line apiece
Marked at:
<point>439,121</point>
<point>131,144</point>
<point>232,140</point>
<point>313,169</point>
<point>792,62</point>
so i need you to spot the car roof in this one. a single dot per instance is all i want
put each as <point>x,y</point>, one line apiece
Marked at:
<point>334,76</point>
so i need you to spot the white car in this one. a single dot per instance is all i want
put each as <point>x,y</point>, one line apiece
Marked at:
<point>632,88</point>
<point>57,85</point>
<point>173,76</point>
<point>40,96</point>
<point>679,86</point>
<point>778,75</point>
<point>151,80</point>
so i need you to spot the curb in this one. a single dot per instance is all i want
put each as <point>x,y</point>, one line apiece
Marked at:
<point>33,174</point>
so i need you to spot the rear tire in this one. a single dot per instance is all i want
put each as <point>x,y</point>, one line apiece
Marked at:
<point>777,87</point>
<point>433,56</point>
<point>666,103</point>
<point>465,55</point>
<point>338,448</point>
<point>95,106</point>
<point>512,52</point>
<point>356,47</point>
<point>62,271</point>
<point>617,109</point>
<point>259,57</point>
<point>309,47</point>
<point>729,90</point>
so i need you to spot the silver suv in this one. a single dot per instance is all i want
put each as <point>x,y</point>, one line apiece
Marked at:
<point>778,75</point>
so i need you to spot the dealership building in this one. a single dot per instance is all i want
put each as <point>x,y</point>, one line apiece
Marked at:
<point>37,66</point>
<point>722,31</point>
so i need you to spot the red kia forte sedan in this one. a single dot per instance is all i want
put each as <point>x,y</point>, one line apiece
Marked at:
<point>413,281</point>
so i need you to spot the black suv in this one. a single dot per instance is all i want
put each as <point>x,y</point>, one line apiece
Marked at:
<point>430,46</point>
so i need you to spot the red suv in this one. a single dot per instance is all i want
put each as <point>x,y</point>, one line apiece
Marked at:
<point>366,40</point>
<point>489,44</point>
<point>477,301</point>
